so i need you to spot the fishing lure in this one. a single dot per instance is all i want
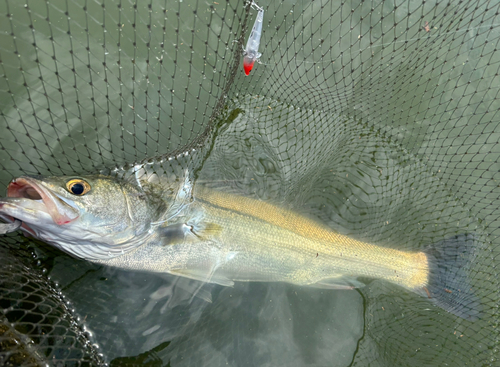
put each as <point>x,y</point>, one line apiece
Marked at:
<point>251,52</point>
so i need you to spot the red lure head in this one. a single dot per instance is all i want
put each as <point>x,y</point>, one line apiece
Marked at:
<point>248,65</point>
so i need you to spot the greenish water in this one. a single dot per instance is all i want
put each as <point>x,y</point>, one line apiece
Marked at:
<point>93,86</point>
<point>357,116</point>
<point>352,178</point>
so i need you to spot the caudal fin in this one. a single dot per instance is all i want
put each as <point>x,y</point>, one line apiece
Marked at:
<point>449,285</point>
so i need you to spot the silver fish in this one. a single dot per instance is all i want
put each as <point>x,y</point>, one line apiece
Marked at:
<point>220,237</point>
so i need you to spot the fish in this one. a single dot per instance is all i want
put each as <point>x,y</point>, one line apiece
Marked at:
<point>251,51</point>
<point>220,236</point>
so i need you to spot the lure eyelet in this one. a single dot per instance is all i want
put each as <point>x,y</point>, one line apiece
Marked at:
<point>78,186</point>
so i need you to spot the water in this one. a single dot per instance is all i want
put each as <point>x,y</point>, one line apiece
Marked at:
<point>352,178</point>
<point>358,117</point>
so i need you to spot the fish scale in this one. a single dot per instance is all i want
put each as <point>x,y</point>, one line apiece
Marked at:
<point>270,230</point>
<point>220,237</point>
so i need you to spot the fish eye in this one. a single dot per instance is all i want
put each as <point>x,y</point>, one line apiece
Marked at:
<point>78,186</point>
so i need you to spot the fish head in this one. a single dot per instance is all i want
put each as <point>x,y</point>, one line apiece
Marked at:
<point>93,217</point>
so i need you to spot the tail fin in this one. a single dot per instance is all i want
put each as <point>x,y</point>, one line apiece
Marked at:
<point>449,286</point>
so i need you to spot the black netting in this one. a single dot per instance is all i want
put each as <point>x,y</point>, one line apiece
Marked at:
<point>38,325</point>
<point>378,118</point>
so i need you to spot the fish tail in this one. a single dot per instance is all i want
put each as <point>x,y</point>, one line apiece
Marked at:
<point>448,284</point>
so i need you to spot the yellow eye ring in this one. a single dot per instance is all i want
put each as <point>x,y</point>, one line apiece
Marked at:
<point>78,186</point>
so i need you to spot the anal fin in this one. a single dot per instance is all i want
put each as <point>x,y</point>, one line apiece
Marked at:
<point>204,276</point>
<point>340,282</point>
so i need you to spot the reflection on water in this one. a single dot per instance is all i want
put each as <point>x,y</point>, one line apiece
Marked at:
<point>330,167</point>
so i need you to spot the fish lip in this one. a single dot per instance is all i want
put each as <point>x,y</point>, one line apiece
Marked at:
<point>32,189</point>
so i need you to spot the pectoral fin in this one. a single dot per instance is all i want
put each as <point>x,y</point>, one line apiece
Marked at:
<point>189,233</point>
<point>207,231</point>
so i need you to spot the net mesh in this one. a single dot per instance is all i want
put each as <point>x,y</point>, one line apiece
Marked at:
<point>379,118</point>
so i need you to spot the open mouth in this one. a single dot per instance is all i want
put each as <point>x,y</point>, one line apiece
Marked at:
<point>31,189</point>
<point>21,188</point>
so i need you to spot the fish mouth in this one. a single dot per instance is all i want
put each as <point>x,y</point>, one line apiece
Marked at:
<point>30,194</point>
